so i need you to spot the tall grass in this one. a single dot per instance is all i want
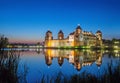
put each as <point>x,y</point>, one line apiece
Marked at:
<point>9,61</point>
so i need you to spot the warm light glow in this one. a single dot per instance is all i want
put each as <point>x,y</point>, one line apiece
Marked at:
<point>117,54</point>
<point>116,42</point>
<point>106,46</point>
<point>115,46</point>
<point>49,52</point>
<point>49,44</point>
<point>72,44</point>
<point>106,51</point>
<point>72,52</point>
<point>9,46</point>
<point>116,51</point>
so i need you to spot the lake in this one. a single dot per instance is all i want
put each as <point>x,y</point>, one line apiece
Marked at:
<point>61,65</point>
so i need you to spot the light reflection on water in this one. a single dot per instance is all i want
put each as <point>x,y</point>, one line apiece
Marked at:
<point>47,64</point>
<point>61,65</point>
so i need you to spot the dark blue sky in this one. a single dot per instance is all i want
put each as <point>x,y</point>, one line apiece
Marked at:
<point>28,20</point>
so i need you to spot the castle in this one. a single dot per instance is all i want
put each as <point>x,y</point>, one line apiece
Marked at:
<point>75,39</point>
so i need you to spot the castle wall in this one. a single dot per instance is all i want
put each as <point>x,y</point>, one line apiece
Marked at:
<point>58,43</point>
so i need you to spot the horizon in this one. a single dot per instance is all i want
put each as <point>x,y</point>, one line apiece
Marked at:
<point>27,21</point>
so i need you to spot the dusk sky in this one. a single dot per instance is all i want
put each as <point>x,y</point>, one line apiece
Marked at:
<point>28,20</point>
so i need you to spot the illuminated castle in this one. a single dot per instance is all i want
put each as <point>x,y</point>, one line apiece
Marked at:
<point>76,38</point>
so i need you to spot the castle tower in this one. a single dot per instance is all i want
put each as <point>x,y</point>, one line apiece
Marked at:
<point>48,39</point>
<point>99,38</point>
<point>48,35</point>
<point>60,35</point>
<point>78,29</point>
<point>99,35</point>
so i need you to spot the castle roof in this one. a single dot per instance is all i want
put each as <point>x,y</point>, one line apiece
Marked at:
<point>72,33</point>
<point>48,31</point>
<point>78,27</point>
<point>98,31</point>
<point>60,32</point>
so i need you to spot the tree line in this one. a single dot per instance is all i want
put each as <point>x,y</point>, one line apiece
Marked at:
<point>3,41</point>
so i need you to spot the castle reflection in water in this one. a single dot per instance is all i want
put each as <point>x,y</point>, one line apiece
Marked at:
<point>75,57</point>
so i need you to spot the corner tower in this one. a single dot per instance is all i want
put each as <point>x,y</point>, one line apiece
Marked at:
<point>99,35</point>
<point>48,35</point>
<point>60,35</point>
<point>48,39</point>
<point>78,29</point>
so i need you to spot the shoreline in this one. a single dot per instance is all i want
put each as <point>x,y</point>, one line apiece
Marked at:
<point>76,47</point>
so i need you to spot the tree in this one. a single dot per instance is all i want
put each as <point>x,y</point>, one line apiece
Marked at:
<point>3,42</point>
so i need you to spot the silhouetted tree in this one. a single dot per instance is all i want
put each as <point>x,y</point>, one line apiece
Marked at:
<point>3,42</point>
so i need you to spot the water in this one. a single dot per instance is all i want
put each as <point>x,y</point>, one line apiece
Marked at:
<point>61,65</point>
